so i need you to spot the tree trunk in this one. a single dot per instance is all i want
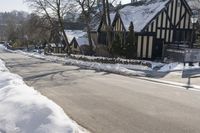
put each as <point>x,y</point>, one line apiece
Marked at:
<point>87,14</point>
<point>90,39</point>
<point>66,42</point>
<point>107,23</point>
<point>108,12</point>
<point>67,47</point>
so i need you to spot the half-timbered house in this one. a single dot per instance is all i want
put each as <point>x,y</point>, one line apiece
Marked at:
<point>55,48</point>
<point>80,45</point>
<point>158,23</point>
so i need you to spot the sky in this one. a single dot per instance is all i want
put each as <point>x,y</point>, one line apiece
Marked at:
<point>9,5</point>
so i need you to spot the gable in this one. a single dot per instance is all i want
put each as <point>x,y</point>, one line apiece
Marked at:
<point>176,10</point>
<point>141,15</point>
<point>102,26</point>
<point>176,13</point>
<point>118,24</point>
<point>74,45</point>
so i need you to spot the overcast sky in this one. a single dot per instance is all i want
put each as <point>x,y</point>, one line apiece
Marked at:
<point>9,5</point>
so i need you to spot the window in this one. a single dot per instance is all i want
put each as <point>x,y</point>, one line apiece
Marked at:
<point>182,36</point>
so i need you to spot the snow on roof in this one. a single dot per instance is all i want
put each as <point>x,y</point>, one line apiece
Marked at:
<point>96,20</point>
<point>79,35</point>
<point>82,41</point>
<point>112,16</point>
<point>141,15</point>
<point>194,4</point>
<point>74,33</point>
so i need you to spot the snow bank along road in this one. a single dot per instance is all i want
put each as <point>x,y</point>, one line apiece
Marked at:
<point>108,103</point>
<point>24,110</point>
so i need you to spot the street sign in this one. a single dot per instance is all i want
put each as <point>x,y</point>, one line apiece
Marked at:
<point>192,55</point>
<point>191,73</point>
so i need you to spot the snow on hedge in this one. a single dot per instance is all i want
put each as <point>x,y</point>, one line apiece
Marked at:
<point>115,65</point>
<point>142,64</point>
<point>125,69</point>
<point>114,68</point>
<point>24,110</point>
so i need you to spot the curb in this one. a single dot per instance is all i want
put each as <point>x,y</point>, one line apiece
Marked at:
<point>140,76</point>
<point>196,87</point>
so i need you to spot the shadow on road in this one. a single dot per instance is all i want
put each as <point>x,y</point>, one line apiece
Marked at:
<point>69,76</point>
<point>46,74</point>
<point>26,64</point>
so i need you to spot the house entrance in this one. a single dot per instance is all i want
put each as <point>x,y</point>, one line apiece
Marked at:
<point>158,48</point>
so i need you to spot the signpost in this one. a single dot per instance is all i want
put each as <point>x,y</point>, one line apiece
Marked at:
<point>190,73</point>
<point>193,73</point>
<point>192,55</point>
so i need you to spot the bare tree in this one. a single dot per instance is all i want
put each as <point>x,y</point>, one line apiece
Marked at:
<point>54,10</point>
<point>37,29</point>
<point>11,30</point>
<point>87,11</point>
<point>107,21</point>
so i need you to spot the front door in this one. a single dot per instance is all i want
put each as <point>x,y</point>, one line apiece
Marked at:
<point>158,48</point>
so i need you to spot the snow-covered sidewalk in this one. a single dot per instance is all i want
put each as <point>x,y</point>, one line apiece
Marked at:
<point>24,110</point>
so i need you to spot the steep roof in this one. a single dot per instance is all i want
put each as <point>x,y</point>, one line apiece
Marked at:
<point>74,33</point>
<point>78,35</point>
<point>97,22</point>
<point>142,14</point>
<point>97,18</point>
<point>82,41</point>
<point>194,4</point>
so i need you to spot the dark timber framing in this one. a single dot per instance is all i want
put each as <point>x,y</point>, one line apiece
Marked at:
<point>170,26</point>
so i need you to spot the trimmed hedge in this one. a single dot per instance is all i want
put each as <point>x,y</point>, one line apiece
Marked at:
<point>111,60</point>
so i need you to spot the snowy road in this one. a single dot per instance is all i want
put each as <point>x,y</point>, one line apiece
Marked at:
<point>109,103</point>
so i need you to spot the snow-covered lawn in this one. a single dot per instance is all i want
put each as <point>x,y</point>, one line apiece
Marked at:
<point>24,110</point>
<point>177,67</point>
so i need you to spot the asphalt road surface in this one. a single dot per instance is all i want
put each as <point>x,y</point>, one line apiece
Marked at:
<point>109,103</point>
